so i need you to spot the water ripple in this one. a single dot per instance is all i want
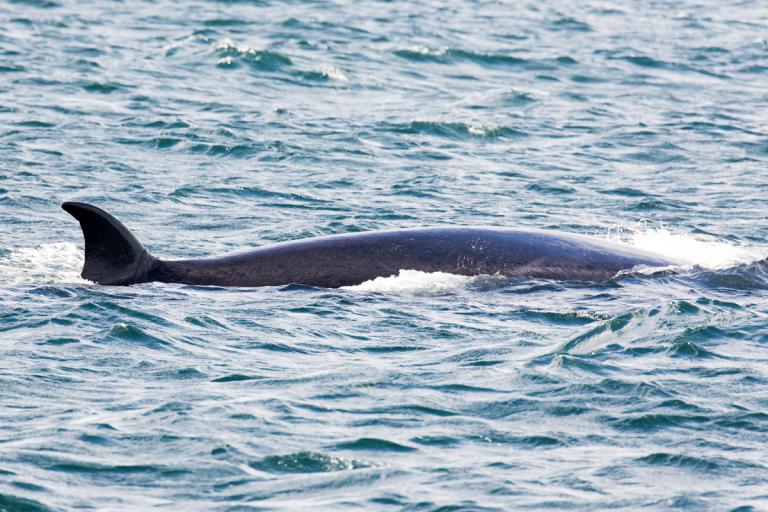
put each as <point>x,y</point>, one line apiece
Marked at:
<point>217,126</point>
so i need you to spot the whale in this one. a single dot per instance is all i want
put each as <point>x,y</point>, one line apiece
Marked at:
<point>113,256</point>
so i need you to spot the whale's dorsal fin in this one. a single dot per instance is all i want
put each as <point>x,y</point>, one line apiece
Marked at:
<point>112,254</point>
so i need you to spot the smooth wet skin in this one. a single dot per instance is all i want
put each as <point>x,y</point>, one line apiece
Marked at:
<point>114,256</point>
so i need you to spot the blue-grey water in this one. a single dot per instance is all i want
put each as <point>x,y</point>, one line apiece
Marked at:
<point>210,127</point>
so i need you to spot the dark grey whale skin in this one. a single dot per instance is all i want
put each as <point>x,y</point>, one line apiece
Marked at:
<point>113,256</point>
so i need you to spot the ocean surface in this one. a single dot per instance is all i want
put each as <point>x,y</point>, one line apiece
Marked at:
<point>209,127</point>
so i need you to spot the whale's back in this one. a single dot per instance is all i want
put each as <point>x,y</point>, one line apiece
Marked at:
<point>114,256</point>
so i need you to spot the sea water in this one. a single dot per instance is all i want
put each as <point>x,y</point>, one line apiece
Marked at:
<point>209,127</point>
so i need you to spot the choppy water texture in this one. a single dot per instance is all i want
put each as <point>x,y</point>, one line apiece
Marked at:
<point>211,126</point>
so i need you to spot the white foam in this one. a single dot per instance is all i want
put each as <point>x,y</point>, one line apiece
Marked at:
<point>227,44</point>
<point>44,264</point>
<point>700,250</point>
<point>415,282</point>
<point>333,73</point>
<point>482,129</point>
<point>423,50</point>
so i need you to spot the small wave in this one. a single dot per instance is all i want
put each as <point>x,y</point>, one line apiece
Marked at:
<point>750,276</point>
<point>328,73</point>
<point>135,335</point>
<point>41,4</point>
<point>11,68</point>
<point>571,24</point>
<point>681,461</point>
<point>10,502</point>
<point>231,55</point>
<point>375,444</point>
<point>455,130</point>
<point>447,55</point>
<point>306,462</point>
<point>102,87</point>
<point>645,61</point>
<point>45,263</point>
<point>501,98</point>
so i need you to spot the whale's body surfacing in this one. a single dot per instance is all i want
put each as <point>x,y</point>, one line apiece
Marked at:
<point>113,256</point>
